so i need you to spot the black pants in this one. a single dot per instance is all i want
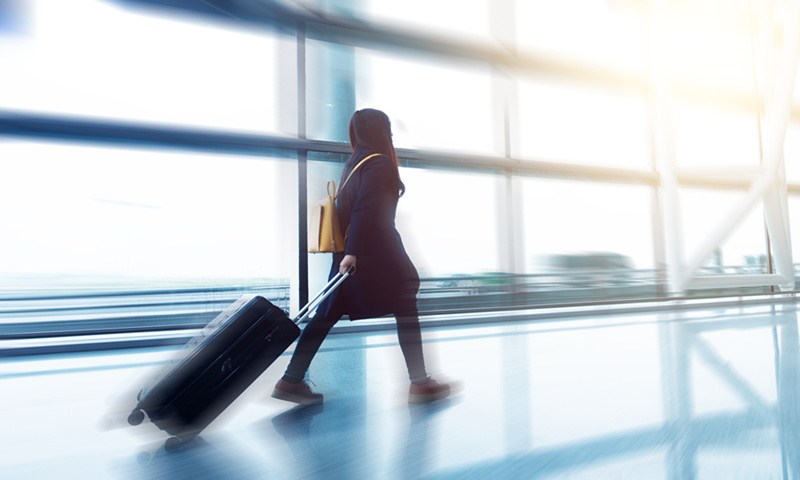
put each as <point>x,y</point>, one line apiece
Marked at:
<point>408,334</point>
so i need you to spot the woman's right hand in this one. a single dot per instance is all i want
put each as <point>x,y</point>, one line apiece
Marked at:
<point>348,262</point>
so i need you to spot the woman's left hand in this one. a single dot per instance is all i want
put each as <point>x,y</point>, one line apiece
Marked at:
<point>348,262</point>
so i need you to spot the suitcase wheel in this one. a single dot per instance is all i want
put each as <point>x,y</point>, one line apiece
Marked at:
<point>143,458</point>
<point>136,417</point>
<point>173,444</point>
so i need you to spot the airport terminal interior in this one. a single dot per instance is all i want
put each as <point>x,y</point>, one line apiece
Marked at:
<point>599,201</point>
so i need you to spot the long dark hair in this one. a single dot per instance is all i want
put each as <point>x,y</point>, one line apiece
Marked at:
<point>372,130</point>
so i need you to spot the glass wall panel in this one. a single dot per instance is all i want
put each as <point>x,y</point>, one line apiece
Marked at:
<point>744,251</point>
<point>111,62</point>
<point>712,44</point>
<point>121,216</point>
<point>586,30</point>
<point>587,240</point>
<point>718,139</point>
<point>444,18</point>
<point>563,216</point>
<point>448,221</point>
<point>791,153</point>
<point>463,19</point>
<point>330,86</point>
<point>128,217</point>
<point>794,222</point>
<point>560,122</point>
<point>432,105</point>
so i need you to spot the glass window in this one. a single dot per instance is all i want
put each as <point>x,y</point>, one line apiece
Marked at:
<point>448,221</point>
<point>744,251</point>
<point>712,45</point>
<point>581,225</point>
<point>14,17</point>
<point>432,105</point>
<point>559,122</point>
<point>455,18</point>
<point>794,221</point>
<point>330,90</point>
<point>449,18</point>
<point>143,215</point>
<point>111,62</point>
<point>791,153</point>
<point>588,30</point>
<point>587,241</point>
<point>713,138</point>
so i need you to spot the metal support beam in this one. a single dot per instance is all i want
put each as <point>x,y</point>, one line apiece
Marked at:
<point>664,148</point>
<point>769,187</point>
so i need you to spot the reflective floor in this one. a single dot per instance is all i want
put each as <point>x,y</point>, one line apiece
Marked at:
<point>695,394</point>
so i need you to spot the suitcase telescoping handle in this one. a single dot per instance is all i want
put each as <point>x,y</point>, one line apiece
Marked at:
<point>322,295</point>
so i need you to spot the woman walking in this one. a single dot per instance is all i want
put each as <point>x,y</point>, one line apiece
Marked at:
<point>383,280</point>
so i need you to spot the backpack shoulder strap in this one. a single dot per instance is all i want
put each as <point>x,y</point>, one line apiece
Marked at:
<point>341,187</point>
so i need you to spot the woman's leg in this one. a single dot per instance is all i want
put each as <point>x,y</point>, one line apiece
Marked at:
<point>423,388</point>
<point>410,338</point>
<point>310,340</point>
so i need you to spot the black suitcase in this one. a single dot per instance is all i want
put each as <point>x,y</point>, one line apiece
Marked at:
<point>217,365</point>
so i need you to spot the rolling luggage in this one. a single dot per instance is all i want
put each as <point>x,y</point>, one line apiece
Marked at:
<point>217,365</point>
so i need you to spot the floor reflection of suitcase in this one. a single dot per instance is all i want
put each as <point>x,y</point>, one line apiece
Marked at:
<point>217,365</point>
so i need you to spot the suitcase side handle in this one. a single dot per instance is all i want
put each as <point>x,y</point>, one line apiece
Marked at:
<point>322,295</point>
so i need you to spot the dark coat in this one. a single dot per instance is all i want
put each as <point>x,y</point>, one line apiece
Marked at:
<point>386,281</point>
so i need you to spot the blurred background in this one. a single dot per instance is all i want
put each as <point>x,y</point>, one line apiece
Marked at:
<point>158,158</point>
<point>600,201</point>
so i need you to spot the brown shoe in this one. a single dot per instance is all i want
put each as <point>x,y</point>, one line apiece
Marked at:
<point>428,392</point>
<point>296,392</point>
